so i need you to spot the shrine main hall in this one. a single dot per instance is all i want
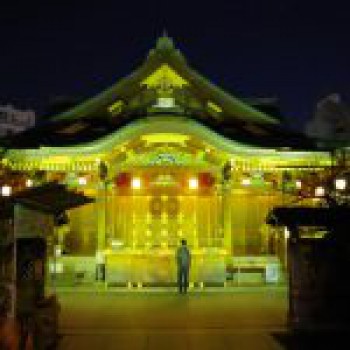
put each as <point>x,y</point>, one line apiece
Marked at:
<point>168,155</point>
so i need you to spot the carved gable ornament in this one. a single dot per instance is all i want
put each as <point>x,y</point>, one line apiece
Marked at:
<point>164,80</point>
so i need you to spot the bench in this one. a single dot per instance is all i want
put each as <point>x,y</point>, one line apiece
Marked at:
<point>236,272</point>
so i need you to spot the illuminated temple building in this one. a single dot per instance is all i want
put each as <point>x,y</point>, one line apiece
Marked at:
<point>168,155</point>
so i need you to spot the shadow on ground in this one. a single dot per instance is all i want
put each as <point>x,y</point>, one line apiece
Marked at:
<point>313,340</point>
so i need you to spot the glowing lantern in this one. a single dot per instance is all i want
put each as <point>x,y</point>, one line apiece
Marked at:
<point>193,183</point>
<point>136,183</point>
<point>319,191</point>
<point>340,184</point>
<point>6,191</point>
<point>298,184</point>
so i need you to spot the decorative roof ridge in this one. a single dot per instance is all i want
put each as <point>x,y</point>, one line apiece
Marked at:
<point>165,47</point>
<point>165,42</point>
<point>165,52</point>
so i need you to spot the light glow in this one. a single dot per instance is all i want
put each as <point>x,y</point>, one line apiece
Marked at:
<point>165,102</point>
<point>6,191</point>
<point>165,137</point>
<point>136,183</point>
<point>286,233</point>
<point>319,191</point>
<point>29,183</point>
<point>58,251</point>
<point>115,243</point>
<point>298,184</point>
<point>193,183</point>
<point>82,181</point>
<point>246,182</point>
<point>340,184</point>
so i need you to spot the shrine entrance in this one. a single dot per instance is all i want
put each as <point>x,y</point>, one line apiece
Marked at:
<point>155,208</point>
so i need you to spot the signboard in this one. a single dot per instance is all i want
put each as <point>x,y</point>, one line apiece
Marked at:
<point>272,273</point>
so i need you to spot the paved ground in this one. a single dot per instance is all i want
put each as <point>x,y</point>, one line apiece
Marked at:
<point>241,318</point>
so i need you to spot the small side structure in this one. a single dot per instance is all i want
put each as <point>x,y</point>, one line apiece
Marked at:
<point>318,261</point>
<point>27,223</point>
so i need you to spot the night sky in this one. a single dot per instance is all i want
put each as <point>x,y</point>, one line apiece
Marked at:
<point>297,51</point>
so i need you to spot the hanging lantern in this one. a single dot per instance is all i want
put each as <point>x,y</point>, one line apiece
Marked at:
<point>136,183</point>
<point>205,180</point>
<point>193,183</point>
<point>123,180</point>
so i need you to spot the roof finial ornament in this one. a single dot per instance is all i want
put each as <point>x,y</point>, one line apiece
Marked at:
<point>165,43</point>
<point>165,33</point>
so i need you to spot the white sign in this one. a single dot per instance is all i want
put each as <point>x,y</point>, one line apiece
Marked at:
<point>272,273</point>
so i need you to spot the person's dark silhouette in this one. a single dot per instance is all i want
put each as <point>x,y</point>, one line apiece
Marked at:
<point>183,260</point>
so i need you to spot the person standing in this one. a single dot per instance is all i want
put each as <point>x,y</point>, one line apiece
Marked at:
<point>183,260</point>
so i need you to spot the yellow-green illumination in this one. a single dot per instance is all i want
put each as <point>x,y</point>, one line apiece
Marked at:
<point>165,138</point>
<point>246,182</point>
<point>164,74</point>
<point>286,233</point>
<point>214,107</point>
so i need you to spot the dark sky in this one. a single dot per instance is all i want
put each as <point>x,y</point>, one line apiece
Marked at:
<point>298,51</point>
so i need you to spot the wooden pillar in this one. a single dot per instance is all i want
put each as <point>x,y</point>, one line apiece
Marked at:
<point>226,206</point>
<point>101,215</point>
<point>102,206</point>
<point>227,216</point>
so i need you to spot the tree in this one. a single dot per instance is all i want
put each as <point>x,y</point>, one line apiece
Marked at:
<point>331,120</point>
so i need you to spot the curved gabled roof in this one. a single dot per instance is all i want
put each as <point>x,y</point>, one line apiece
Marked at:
<point>165,72</point>
<point>199,87</point>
